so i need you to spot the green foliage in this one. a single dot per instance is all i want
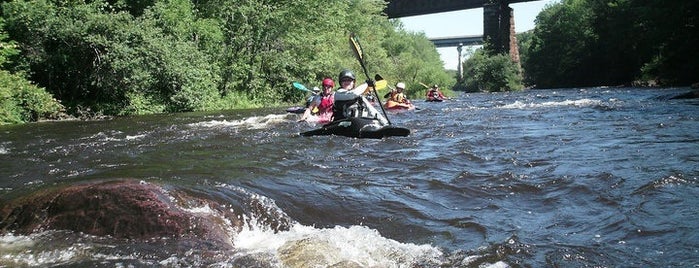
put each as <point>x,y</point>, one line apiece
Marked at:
<point>613,42</point>
<point>413,60</point>
<point>21,101</point>
<point>561,45</point>
<point>494,73</point>
<point>8,48</point>
<point>138,57</point>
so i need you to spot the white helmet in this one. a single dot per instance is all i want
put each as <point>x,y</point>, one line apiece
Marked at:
<point>400,85</point>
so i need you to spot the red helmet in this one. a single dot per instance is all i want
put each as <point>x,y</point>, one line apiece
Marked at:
<point>328,82</point>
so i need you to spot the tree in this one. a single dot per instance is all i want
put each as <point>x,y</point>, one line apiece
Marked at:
<point>21,101</point>
<point>561,46</point>
<point>126,57</point>
<point>493,73</point>
<point>614,42</point>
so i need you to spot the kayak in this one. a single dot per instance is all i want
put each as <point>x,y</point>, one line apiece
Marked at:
<point>319,118</point>
<point>434,100</point>
<point>299,110</point>
<point>358,127</point>
<point>296,110</point>
<point>392,105</point>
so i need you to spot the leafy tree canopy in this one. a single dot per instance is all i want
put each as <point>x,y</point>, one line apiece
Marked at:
<point>136,57</point>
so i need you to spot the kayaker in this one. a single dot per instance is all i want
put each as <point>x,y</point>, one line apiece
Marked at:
<point>323,102</point>
<point>350,100</point>
<point>397,98</point>
<point>434,94</point>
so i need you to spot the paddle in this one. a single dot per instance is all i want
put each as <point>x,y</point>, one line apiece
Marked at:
<point>359,54</point>
<point>301,87</point>
<point>380,84</point>
<point>426,86</point>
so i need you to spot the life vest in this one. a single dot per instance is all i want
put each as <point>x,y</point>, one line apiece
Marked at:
<point>326,104</point>
<point>348,108</point>
<point>433,94</point>
<point>398,97</point>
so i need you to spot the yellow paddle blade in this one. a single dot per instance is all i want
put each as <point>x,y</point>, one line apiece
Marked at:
<point>381,84</point>
<point>378,85</point>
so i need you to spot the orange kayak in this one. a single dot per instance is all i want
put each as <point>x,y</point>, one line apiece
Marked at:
<point>397,105</point>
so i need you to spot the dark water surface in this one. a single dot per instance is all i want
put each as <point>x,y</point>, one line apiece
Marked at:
<point>558,178</point>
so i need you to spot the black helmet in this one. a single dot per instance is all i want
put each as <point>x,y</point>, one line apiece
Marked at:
<point>346,74</point>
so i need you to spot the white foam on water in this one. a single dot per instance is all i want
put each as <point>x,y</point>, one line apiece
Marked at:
<point>306,246</point>
<point>255,122</point>
<point>18,250</point>
<point>135,137</point>
<point>549,104</point>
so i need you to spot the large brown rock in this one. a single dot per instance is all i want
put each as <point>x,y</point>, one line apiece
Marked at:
<point>121,209</point>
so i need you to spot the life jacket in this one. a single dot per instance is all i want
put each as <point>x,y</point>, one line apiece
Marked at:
<point>326,104</point>
<point>348,108</point>
<point>398,97</point>
<point>433,94</point>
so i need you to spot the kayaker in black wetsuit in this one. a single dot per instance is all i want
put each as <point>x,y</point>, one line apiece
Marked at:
<point>350,101</point>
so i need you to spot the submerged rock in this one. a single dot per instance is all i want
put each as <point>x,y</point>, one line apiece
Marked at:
<point>121,209</point>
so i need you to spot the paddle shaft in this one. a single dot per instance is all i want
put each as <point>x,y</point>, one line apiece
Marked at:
<point>359,54</point>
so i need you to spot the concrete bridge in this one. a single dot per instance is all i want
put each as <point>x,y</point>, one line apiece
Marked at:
<point>498,22</point>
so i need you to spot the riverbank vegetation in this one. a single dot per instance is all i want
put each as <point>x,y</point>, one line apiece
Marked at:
<point>582,43</point>
<point>161,56</point>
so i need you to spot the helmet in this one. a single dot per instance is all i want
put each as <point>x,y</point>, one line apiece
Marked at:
<point>346,74</point>
<point>435,86</point>
<point>400,85</point>
<point>328,82</point>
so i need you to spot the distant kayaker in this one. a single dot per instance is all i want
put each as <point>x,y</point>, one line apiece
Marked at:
<point>322,102</point>
<point>350,100</point>
<point>397,98</point>
<point>434,94</point>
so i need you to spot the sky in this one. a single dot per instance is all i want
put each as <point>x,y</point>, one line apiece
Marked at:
<point>468,22</point>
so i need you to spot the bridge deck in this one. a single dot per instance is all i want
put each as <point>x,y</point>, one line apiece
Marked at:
<point>455,41</point>
<point>406,8</point>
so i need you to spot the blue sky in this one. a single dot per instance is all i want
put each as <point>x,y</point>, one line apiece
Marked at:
<point>468,22</point>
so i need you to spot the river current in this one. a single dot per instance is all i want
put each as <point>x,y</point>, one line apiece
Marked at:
<point>594,177</point>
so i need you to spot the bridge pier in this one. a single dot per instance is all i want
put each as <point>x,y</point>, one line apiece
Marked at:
<point>460,67</point>
<point>499,29</point>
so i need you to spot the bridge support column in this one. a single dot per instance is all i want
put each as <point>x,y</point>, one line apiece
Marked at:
<point>499,29</point>
<point>460,67</point>
<point>496,26</point>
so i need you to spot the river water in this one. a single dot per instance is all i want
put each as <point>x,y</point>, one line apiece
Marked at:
<point>595,177</point>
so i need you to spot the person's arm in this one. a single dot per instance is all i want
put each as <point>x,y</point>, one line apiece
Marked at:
<point>343,95</point>
<point>359,90</point>
<point>314,103</point>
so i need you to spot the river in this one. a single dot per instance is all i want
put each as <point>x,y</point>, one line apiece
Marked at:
<point>593,177</point>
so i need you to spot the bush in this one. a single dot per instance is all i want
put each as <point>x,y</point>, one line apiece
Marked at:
<point>21,101</point>
<point>491,73</point>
